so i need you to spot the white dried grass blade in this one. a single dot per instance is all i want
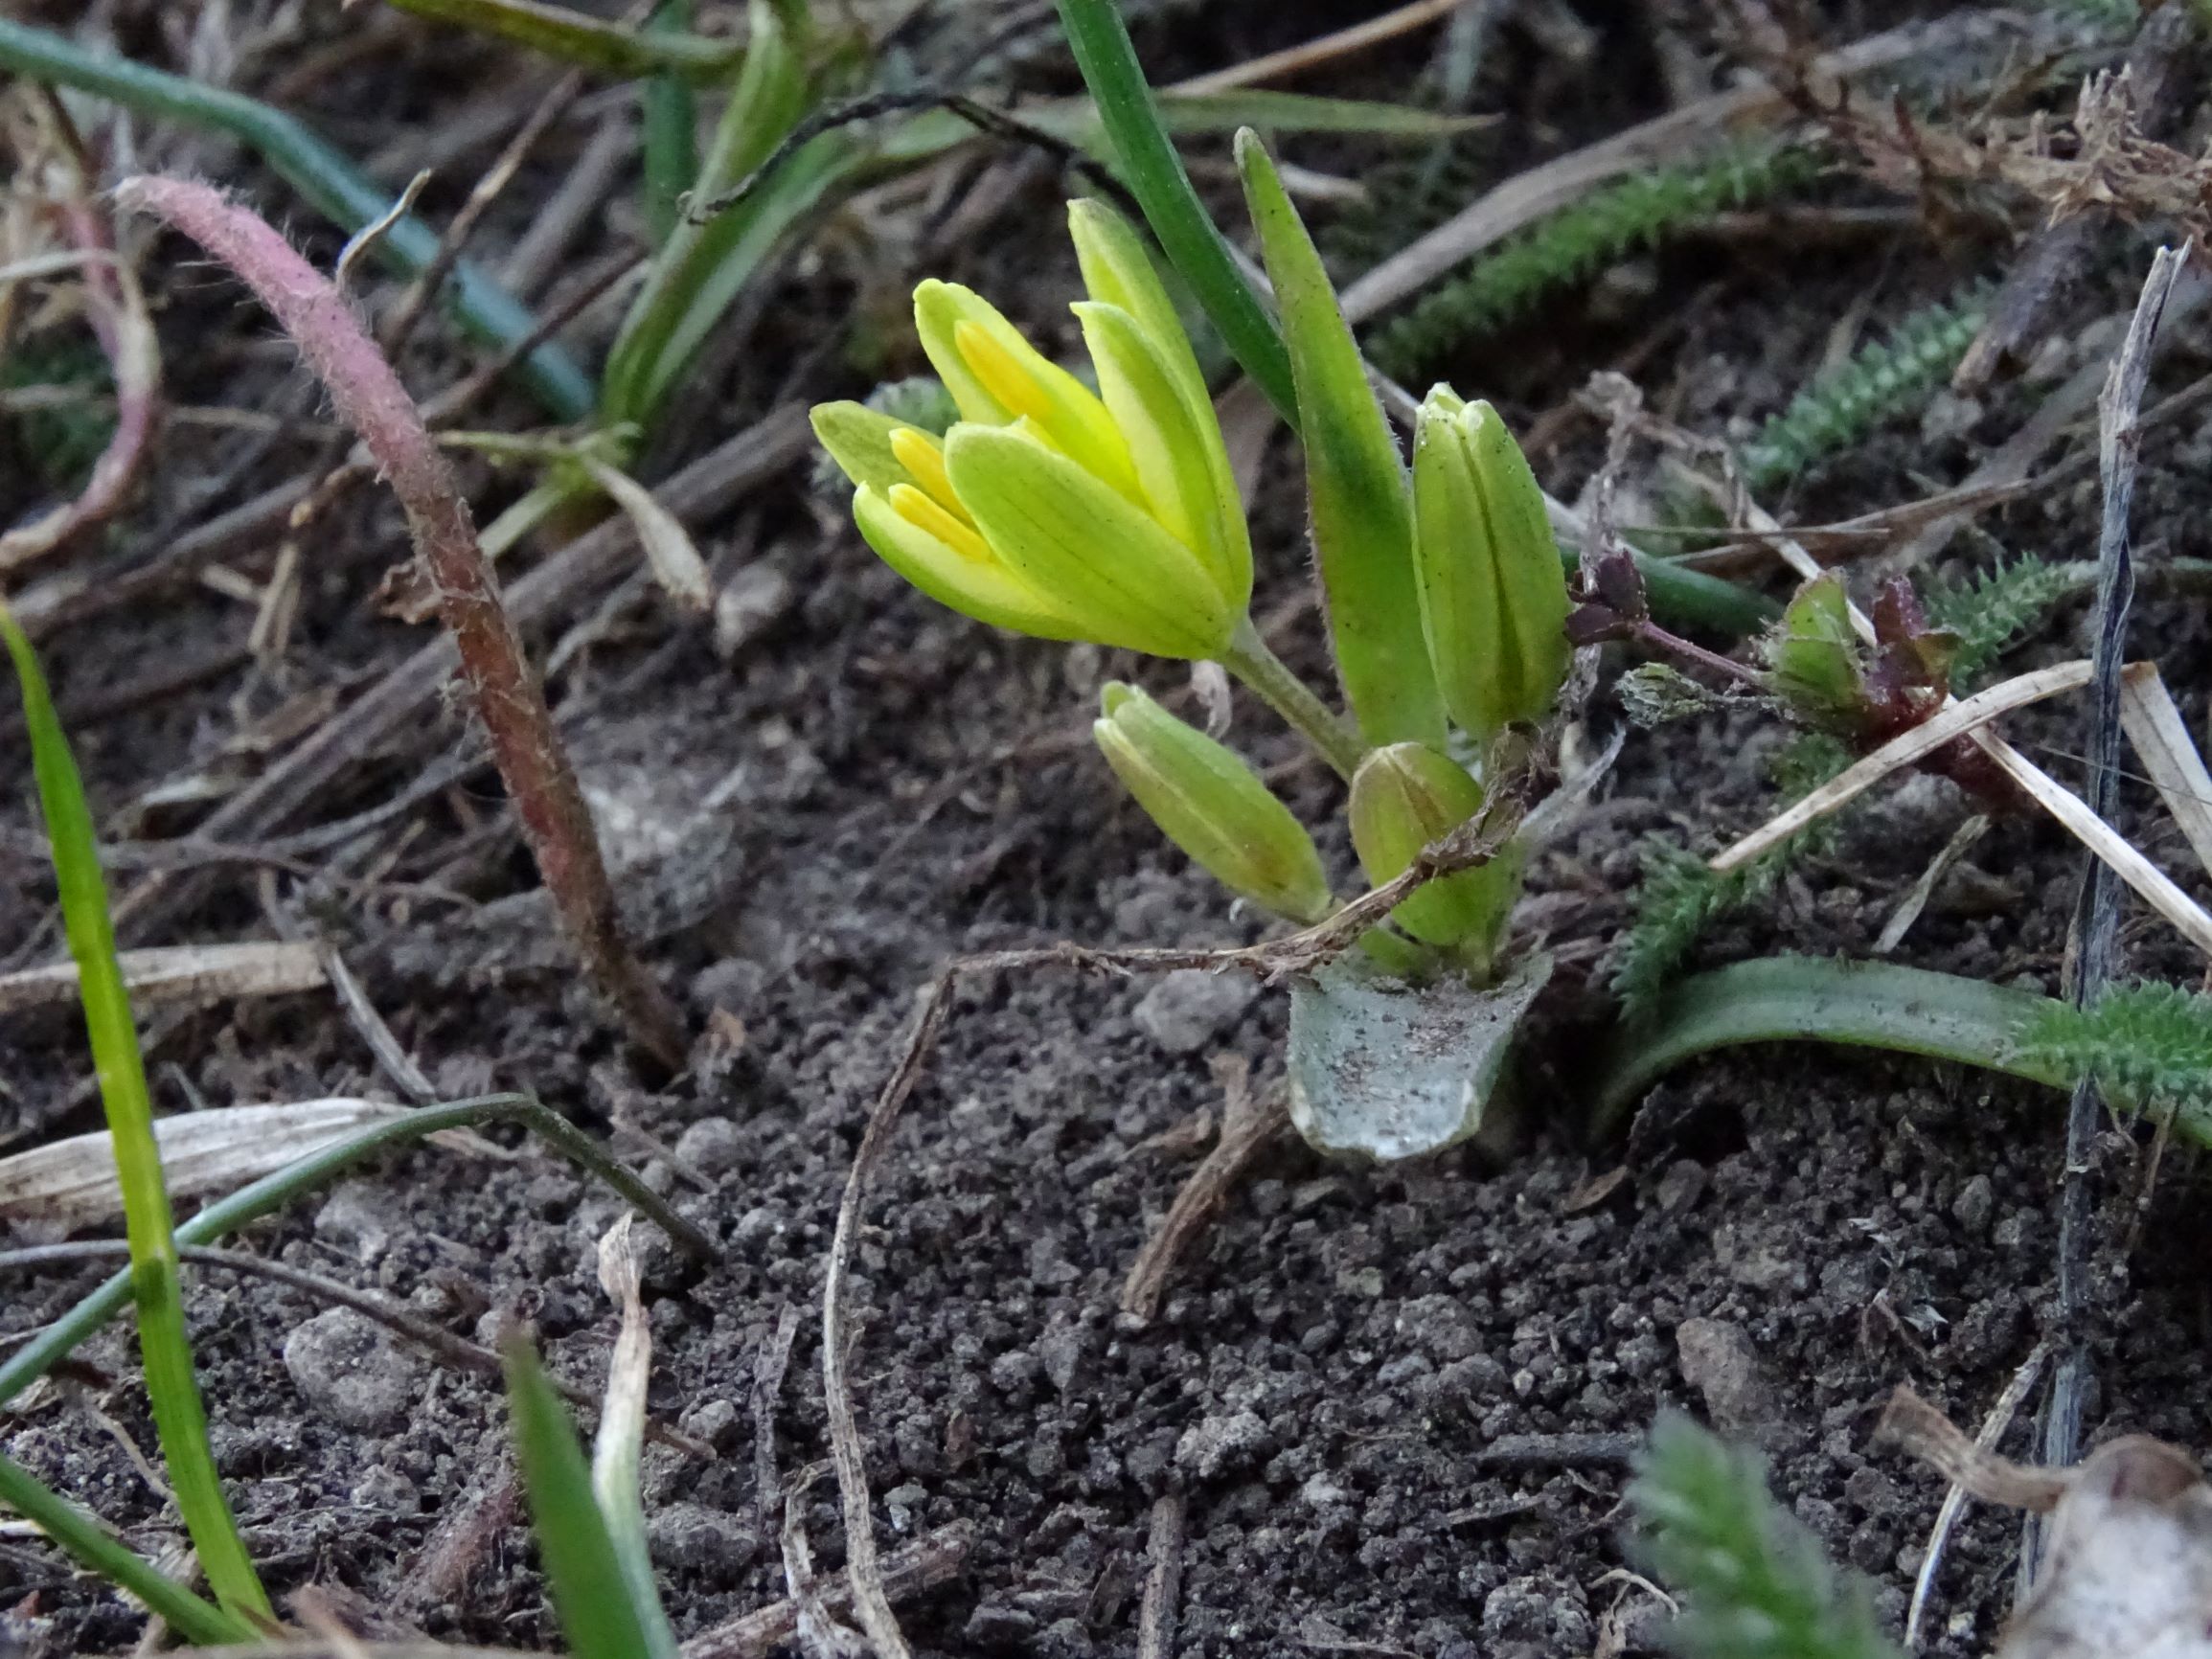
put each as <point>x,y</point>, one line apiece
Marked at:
<point>614,1451</point>
<point>2151,883</point>
<point>669,548</point>
<point>1953,722</point>
<point>187,973</point>
<point>2155,726</point>
<point>71,1184</point>
<point>1916,897</point>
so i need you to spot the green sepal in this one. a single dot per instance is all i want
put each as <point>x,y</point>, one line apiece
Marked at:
<point>1813,658</point>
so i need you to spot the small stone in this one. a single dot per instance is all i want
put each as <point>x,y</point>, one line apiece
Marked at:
<point>757,598</point>
<point>386,1492</point>
<point>1441,1326</point>
<point>358,1219</point>
<point>1214,1447</point>
<point>1682,1186</point>
<point>1543,1614</point>
<point>693,1537</point>
<point>348,1369</point>
<point>713,1421</point>
<point>1064,1639</point>
<point>1719,1361</point>
<point>1975,1203</point>
<point>1188,1009</point>
<point>734,983</point>
<point>995,1628</point>
<point>714,1146</point>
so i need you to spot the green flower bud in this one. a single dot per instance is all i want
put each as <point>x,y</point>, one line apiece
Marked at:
<point>1405,798</point>
<point>1493,594</point>
<point>1212,805</point>
<point>1814,659</point>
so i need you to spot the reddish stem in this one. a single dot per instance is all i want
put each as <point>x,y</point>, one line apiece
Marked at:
<point>509,699</point>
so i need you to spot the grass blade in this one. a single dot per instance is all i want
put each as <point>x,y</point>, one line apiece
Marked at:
<point>590,1591</point>
<point>1881,1005</point>
<point>671,133</point>
<point>81,1536</point>
<point>1186,232</point>
<point>180,1420</point>
<point>575,37</point>
<point>703,267</point>
<point>272,1192</point>
<point>614,1452</point>
<point>322,174</point>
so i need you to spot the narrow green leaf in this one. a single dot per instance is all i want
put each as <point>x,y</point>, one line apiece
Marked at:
<point>1201,112</point>
<point>1361,504</point>
<point>98,1551</point>
<point>180,1420</point>
<point>703,267</point>
<point>590,1591</point>
<point>671,130</point>
<point>1187,233</point>
<point>576,38</point>
<point>329,182</point>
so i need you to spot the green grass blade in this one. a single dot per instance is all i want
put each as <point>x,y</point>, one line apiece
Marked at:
<point>323,175</point>
<point>85,1539</point>
<point>1154,172</point>
<point>671,133</point>
<point>590,1591</point>
<point>1186,113</point>
<point>576,38</point>
<point>179,1417</point>
<point>1881,1005</point>
<point>1355,479</point>
<point>703,267</point>
<point>273,1192</point>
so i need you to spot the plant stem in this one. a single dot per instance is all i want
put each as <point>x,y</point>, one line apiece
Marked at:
<point>1712,662</point>
<point>322,174</point>
<point>1822,999</point>
<point>1187,233</point>
<point>1250,660</point>
<point>506,691</point>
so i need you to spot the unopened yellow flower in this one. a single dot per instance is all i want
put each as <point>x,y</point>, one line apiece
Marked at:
<point>1051,508</point>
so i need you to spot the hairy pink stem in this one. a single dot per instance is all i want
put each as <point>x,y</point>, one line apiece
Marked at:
<point>126,335</point>
<point>509,699</point>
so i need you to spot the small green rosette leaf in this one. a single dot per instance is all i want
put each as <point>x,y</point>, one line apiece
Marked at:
<point>1813,658</point>
<point>1209,803</point>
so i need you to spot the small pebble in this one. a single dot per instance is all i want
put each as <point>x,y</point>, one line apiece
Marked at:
<point>1719,1361</point>
<point>1188,1009</point>
<point>348,1369</point>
